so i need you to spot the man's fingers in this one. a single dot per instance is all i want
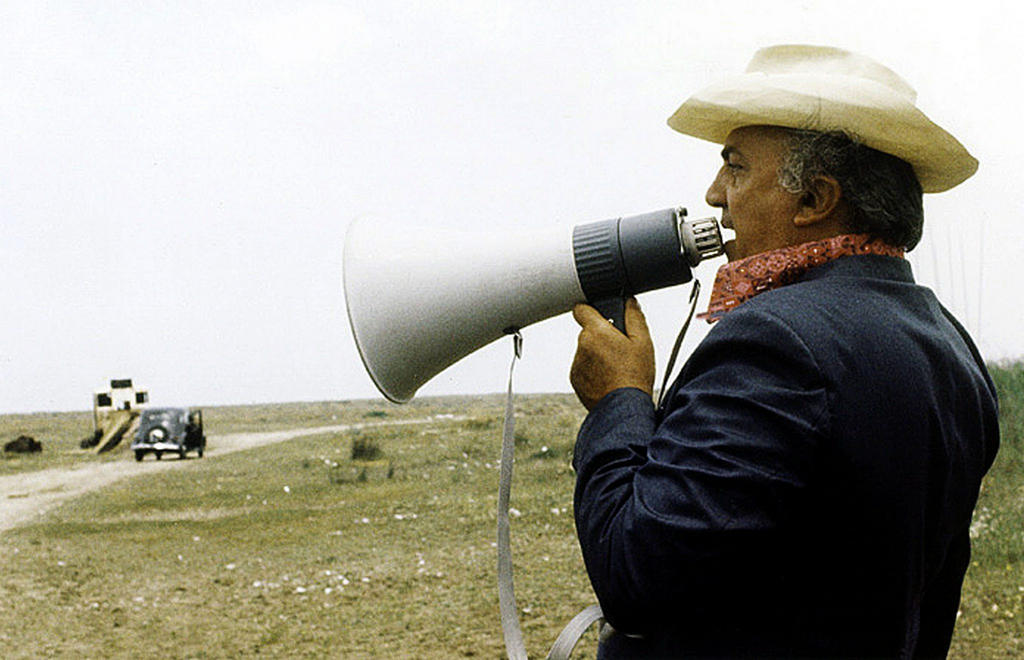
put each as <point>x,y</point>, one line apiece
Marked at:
<point>636,323</point>
<point>606,359</point>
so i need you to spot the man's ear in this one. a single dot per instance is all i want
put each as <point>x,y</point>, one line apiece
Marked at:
<point>819,202</point>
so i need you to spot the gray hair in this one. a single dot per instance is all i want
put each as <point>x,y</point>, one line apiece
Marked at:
<point>882,190</point>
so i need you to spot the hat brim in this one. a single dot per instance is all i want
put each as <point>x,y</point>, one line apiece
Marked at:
<point>870,112</point>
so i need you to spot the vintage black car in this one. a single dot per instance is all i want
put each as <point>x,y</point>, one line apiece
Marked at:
<point>174,430</point>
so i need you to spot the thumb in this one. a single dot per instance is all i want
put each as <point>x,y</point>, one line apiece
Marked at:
<point>586,315</point>
<point>636,323</point>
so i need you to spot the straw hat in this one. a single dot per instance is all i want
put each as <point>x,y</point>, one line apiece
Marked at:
<point>822,88</point>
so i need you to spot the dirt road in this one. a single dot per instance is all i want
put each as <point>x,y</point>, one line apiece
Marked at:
<point>25,496</point>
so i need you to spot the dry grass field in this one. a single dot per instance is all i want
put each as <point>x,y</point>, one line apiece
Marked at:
<point>295,549</point>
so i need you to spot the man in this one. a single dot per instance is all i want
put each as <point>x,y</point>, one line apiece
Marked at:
<point>807,487</point>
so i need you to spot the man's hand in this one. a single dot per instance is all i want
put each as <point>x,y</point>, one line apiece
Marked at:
<point>606,359</point>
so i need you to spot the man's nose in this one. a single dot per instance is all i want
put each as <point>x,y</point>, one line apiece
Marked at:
<point>715,196</point>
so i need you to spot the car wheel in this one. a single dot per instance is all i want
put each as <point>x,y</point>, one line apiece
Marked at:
<point>139,455</point>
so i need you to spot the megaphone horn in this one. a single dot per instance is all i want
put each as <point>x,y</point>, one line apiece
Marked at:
<point>420,300</point>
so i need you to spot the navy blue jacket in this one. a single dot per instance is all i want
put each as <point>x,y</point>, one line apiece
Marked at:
<point>808,487</point>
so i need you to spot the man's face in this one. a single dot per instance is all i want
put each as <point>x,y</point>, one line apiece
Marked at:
<point>747,190</point>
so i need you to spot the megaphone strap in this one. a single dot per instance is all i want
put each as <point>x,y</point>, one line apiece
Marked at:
<point>514,646</point>
<point>694,293</point>
<point>570,635</point>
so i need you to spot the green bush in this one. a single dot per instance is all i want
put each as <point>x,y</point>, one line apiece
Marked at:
<point>365,449</point>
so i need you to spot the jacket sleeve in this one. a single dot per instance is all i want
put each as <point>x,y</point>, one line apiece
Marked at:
<point>671,514</point>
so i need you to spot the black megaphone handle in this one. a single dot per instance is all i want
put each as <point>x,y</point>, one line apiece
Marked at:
<point>613,309</point>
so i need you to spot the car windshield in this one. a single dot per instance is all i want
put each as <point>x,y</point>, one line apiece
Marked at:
<point>171,419</point>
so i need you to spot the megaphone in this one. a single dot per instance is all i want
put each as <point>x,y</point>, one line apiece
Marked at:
<point>420,300</point>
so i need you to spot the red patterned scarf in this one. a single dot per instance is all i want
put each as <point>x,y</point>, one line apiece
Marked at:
<point>741,280</point>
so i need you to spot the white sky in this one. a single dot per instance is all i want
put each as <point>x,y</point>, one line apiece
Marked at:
<point>176,178</point>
